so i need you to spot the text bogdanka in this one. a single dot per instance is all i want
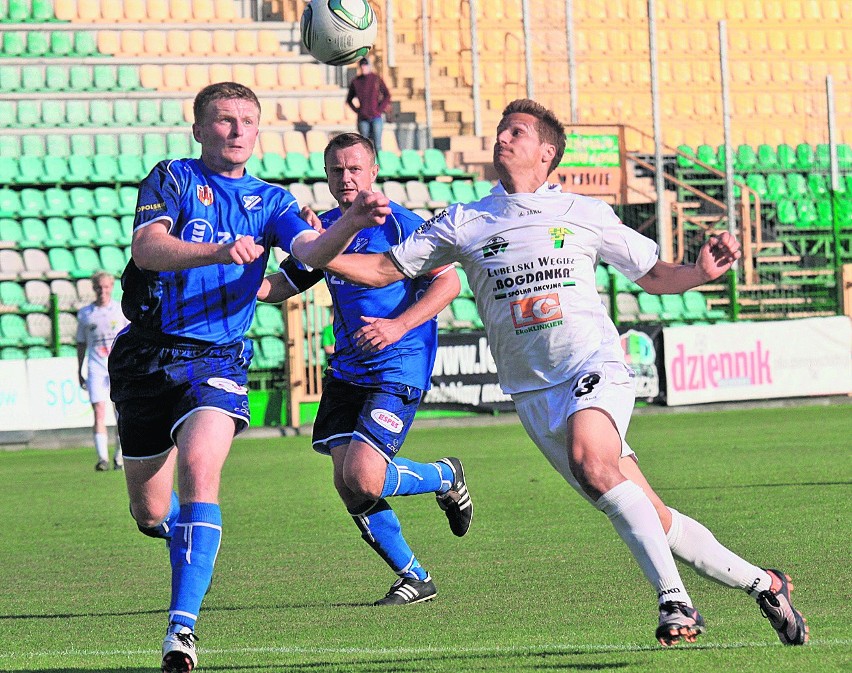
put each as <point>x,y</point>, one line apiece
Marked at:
<point>726,369</point>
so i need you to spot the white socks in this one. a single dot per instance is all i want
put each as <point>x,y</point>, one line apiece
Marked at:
<point>692,543</point>
<point>637,523</point>
<point>101,447</point>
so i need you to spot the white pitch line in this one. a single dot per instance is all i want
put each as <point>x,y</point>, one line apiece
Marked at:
<point>408,651</point>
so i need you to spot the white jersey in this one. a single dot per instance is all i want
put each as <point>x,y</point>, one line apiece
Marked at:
<point>530,261</point>
<point>97,327</point>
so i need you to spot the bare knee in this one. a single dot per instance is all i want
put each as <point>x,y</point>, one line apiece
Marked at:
<point>363,484</point>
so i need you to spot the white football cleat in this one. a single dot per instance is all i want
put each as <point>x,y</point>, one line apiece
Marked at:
<point>179,651</point>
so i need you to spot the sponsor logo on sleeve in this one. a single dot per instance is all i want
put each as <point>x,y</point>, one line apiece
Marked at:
<point>151,206</point>
<point>205,194</point>
<point>387,419</point>
<point>227,385</point>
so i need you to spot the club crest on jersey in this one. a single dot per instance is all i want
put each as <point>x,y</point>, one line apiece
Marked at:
<point>360,244</point>
<point>558,235</point>
<point>227,385</point>
<point>205,194</point>
<point>494,247</point>
<point>252,202</point>
<point>386,419</point>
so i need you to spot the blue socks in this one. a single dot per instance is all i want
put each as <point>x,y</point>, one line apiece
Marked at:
<point>380,529</point>
<point>193,551</point>
<point>405,477</point>
<point>165,528</point>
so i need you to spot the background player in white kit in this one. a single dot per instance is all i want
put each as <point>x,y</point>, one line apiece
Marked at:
<point>529,251</point>
<point>97,325</point>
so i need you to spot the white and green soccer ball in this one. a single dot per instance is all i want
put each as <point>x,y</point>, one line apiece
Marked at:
<point>338,32</point>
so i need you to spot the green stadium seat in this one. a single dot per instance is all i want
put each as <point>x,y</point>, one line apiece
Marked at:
<point>295,166</point>
<point>817,185</point>
<point>807,214</point>
<point>52,113</point>
<point>316,166</point>
<point>410,164</point>
<point>14,43</point>
<point>10,233</point>
<point>82,201</point>
<point>86,261</point>
<point>253,166</point>
<point>85,44</point>
<point>273,166</point>
<point>602,278</point>
<point>695,304</point>
<point>60,233</point>
<point>8,114</point>
<point>171,112</point>
<point>33,233</point>
<point>463,191</point>
<point>757,183</point>
<point>389,165</point>
<point>55,170</point>
<point>435,164</point>
<point>130,169</point>
<point>804,157</point>
<point>272,352</point>
<point>13,332</point>
<point>824,215</point>
<point>127,78</point>
<point>673,306</point>
<point>28,113</point>
<point>105,168</point>
<point>80,170</point>
<point>18,11</point>
<point>61,43</point>
<point>61,259</point>
<point>83,145</point>
<point>109,231</point>
<point>38,44</point>
<point>797,186</point>
<point>112,259</point>
<point>651,308</point>
<point>178,145</point>
<point>465,314</point>
<point>786,156</point>
<point>109,145</point>
<point>685,161</point>
<point>766,158</point>
<point>56,202</point>
<point>126,200</point>
<point>32,78</point>
<point>104,77</point>
<point>106,201</point>
<point>81,78</point>
<point>822,156</point>
<point>101,112</point>
<point>126,144</point>
<point>707,154</point>
<point>12,353</point>
<point>441,193</point>
<point>844,156</point>
<point>125,112</point>
<point>32,202</point>
<point>787,214</point>
<point>268,320</point>
<point>38,352</point>
<point>84,230</point>
<point>147,113</point>
<point>41,11</point>
<point>57,145</point>
<point>33,145</point>
<point>10,79</point>
<point>745,158</point>
<point>776,187</point>
<point>153,145</point>
<point>10,202</point>
<point>9,172</point>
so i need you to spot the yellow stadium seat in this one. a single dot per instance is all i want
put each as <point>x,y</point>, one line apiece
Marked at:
<point>316,140</point>
<point>246,42</point>
<point>740,72</point>
<point>334,110</point>
<point>781,72</point>
<point>795,40</point>
<point>151,76</point>
<point>294,141</point>
<point>177,43</point>
<point>312,75</point>
<point>201,42</point>
<point>220,72</point>
<point>735,10</point>
<point>65,10</point>
<point>664,72</point>
<point>180,10</point>
<point>188,113</point>
<point>702,74</point>
<point>289,75</point>
<point>266,76</point>
<point>834,42</point>
<point>829,9</point>
<point>158,10</point>
<point>600,74</point>
<point>203,10</point>
<point>268,42</point>
<point>773,11</point>
<point>134,10</point>
<point>224,42</point>
<point>109,42</point>
<point>754,136</point>
<point>684,105</point>
<point>244,74</point>
<point>681,72</point>
<point>132,42</point>
<point>224,10</point>
<point>792,10</point>
<point>197,76</point>
<point>743,104</point>
<point>271,141</point>
<point>764,105</point>
<point>174,77</point>
<point>154,42</point>
<point>754,9</point>
<point>110,11</point>
<point>760,74</point>
<point>640,73</point>
<point>800,70</point>
<point>88,11</point>
<point>287,109</point>
<point>816,40</point>
<point>783,104</point>
<point>310,110</point>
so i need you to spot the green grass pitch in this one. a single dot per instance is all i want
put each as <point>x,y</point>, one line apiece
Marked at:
<point>541,583</point>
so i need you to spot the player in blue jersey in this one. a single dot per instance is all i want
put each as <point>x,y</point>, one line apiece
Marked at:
<point>376,376</point>
<point>201,240</point>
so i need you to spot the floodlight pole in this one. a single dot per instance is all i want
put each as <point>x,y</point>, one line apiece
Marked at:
<point>659,181</point>
<point>572,63</point>
<point>427,68</point>
<point>726,126</point>
<point>528,57</point>
<point>474,70</point>
<point>390,46</point>
<point>835,186</point>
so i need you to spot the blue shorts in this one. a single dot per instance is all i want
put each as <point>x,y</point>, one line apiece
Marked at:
<point>158,382</point>
<point>380,417</point>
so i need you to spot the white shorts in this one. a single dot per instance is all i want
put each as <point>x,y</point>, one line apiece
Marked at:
<point>608,386</point>
<point>97,384</point>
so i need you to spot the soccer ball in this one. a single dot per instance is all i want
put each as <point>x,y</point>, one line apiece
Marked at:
<point>338,32</point>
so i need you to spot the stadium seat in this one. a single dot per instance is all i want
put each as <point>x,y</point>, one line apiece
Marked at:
<point>85,44</point>
<point>11,264</point>
<point>80,169</point>
<point>11,233</point>
<point>272,352</point>
<point>482,188</point>
<point>465,313</point>
<point>59,232</point>
<point>316,166</point>
<point>112,259</point>
<point>33,233</point>
<point>417,195</point>
<point>389,165</point>
<point>13,298</point>
<point>127,200</point>
<point>797,186</point>
<point>10,79</point>
<point>651,308</point>
<point>776,187</point>
<point>295,166</point>
<point>37,293</point>
<point>14,43</point>
<point>56,201</point>
<point>109,231</point>
<point>13,332</point>
<point>410,164</point>
<point>12,353</point>
<point>268,321</point>
<point>440,192</point>
<point>10,202</point>
<point>273,166</point>
<point>463,191</point>
<point>817,185</point>
<point>807,214</point>
<point>32,202</point>
<point>804,157</point>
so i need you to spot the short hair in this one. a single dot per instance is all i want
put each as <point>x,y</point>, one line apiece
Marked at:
<point>99,274</point>
<point>548,126</point>
<point>221,91</point>
<point>364,61</point>
<point>344,140</point>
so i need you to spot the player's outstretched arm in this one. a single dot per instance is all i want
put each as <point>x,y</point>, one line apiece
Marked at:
<point>379,333</point>
<point>370,270</point>
<point>716,256</point>
<point>154,249</point>
<point>275,289</point>
<point>317,250</point>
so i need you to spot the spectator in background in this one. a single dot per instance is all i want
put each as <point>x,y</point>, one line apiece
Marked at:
<point>97,325</point>
<point>374,101</point>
